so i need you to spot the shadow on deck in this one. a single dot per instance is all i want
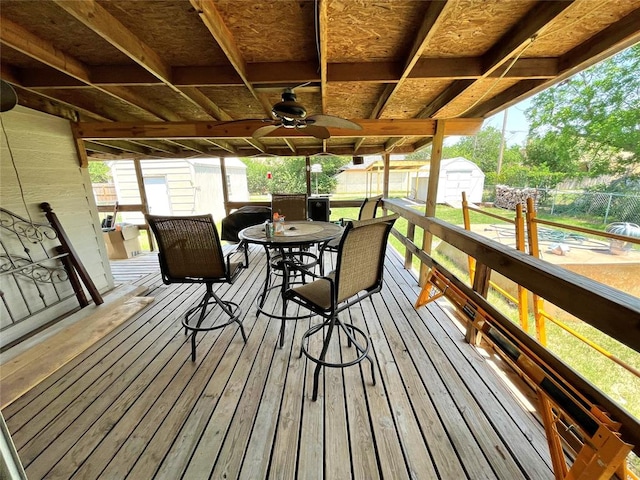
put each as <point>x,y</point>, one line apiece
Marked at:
<point>134,405</point>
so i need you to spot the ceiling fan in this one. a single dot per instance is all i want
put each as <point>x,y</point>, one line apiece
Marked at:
<point>288,113</point>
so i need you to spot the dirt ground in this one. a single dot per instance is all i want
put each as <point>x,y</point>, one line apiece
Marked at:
<point>590,258</point>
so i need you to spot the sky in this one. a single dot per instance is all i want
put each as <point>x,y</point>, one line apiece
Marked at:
<point>517,125</point>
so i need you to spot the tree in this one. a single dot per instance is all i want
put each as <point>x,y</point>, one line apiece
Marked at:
<point>99,172</point>
<point>288,174</point>
<point>483,149</point>
<point>591,122</point>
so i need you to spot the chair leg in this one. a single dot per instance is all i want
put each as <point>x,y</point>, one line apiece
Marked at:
<point>352,333</point>
<point>323,355</point>
<point>236,318</point>
<point>211,298</point>
<point>351,339</point>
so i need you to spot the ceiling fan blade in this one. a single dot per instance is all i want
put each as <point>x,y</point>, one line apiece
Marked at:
<point>316,131</point>
<point>266,130</point>
<point>8,97</point>
<point>331,121</point>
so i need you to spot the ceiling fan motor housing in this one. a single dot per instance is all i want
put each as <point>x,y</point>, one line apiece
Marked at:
<point>288,107</point>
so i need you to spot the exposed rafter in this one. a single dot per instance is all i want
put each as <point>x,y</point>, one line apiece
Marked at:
<point>213,61</point>
<point>212,19</point>
<point>95,17</point>
<point>431,17</point>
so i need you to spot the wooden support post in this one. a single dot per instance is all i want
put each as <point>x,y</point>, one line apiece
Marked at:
<point>386,158</point>
<point>481,285</point>
<point>73,277</point>
<point>432,191</point>
<point>225,187</point>
<point>143,200</point>
<point>408,256</point>
<point>72,255</point>
<point>83,159</point>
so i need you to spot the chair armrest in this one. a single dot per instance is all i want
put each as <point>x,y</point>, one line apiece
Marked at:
<point>237,250</point>
<point>288,265</point>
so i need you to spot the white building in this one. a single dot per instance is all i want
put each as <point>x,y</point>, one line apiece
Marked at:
<point>180,187</point>
<point>410,178</point>
<point>457,175</point>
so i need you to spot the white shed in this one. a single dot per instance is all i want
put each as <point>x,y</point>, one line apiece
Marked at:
<point>457,175</point>
<point>180,187</point>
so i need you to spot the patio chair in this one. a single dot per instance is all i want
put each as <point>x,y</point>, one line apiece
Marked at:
<point>292,205</point>
<point>358,275</point>
<point>294,208</point>
<point>190,252</point>
<point>368,210</point>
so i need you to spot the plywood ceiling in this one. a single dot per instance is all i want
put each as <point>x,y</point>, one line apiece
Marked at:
<point>208,71</point>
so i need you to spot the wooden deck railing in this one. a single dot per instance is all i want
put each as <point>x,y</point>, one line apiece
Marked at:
<point>611,311</point>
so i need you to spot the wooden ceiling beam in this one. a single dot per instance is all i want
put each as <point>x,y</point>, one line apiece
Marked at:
<point>257,144</point>
<point>505,99</point>
<point>100,21</point>
<point>190,145</point>
<point>520,35</point>
<point>620,35</point>
<point>277,75</point>
<point>20,39</point>
<point>93,114</point>
<point>284,74</point>
<point>223,144</point>
<point>205,103</point>
<point>425,33</point>
<point>512,43</point>
<point>213,21</point>
<point>448,94</point>
<point>157,145</point>
<point>25,42</point>
<point>124,146</point>
<point>322,32</point>
<point>229,130</point>
<point>159,110</point>
<point>100,148</point>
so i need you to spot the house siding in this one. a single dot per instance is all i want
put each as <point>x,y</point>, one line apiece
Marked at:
<point>39,163</point>
<point>193,186</point>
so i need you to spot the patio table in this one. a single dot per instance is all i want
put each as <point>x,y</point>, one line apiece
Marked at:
<point>296,235</point>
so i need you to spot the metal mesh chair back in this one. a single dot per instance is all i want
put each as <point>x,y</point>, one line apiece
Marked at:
<point>189,248</point>
<point>292,206</point>
<point>361,256</point>
<point>369,207</point>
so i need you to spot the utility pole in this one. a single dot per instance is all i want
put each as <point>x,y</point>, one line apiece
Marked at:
<point>502,141</point>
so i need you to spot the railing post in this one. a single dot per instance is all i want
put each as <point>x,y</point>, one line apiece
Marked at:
<point>523,295</point>
<point>73,256</point>
<point>534,250</point>
<point>467,226</point>
<point>408,256</point>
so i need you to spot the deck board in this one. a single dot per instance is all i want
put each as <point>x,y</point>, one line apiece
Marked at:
<point>134,406</point>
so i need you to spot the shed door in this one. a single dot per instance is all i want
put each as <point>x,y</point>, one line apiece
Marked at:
<point>458,181</point>
<point>157,195</point>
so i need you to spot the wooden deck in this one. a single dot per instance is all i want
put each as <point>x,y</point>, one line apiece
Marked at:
<point>135,406</point>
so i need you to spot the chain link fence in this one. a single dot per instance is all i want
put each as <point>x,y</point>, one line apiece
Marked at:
<point>609,207</point>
